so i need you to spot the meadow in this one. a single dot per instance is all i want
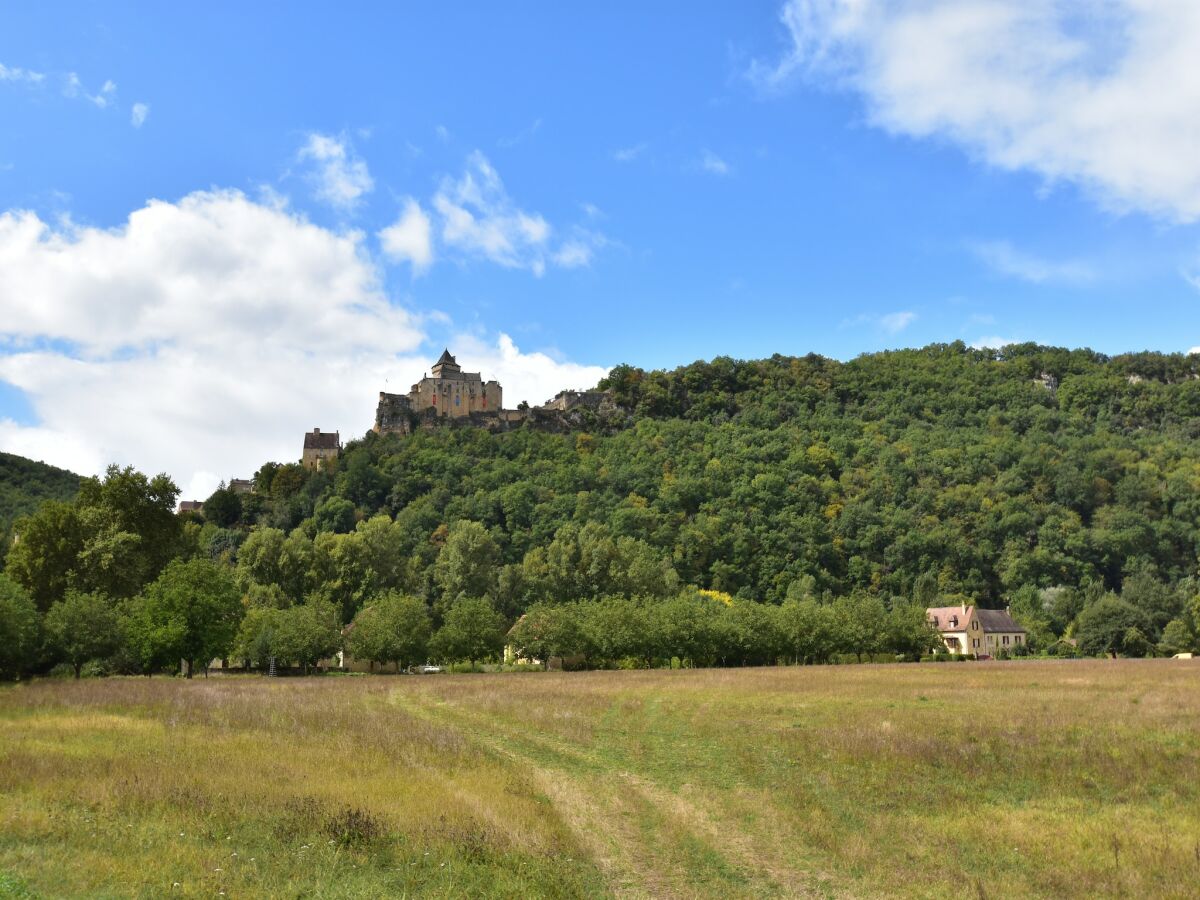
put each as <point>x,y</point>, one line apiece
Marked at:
<point>1030,778</point>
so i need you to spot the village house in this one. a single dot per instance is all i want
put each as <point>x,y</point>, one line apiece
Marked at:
<point>983,632</point>
<point>319,447</point>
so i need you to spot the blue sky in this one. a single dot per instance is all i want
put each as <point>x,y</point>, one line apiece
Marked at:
<point>321,199</point>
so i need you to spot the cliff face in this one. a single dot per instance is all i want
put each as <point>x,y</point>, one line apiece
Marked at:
<point>586,411</point>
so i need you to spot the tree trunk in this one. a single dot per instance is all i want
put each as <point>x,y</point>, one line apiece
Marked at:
<point>188,668</point>
<point>78,670</point>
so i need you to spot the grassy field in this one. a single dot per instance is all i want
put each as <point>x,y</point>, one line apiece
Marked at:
<point>991,780</point>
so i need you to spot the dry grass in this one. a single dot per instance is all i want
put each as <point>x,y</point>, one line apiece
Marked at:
<point>999,780</point>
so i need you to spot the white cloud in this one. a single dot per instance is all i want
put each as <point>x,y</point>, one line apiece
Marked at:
<point>1104,94</point>
<point>410,237</point>
<point>137,115</point>
<point>339,176</point>
<point>892,323</point>
<point>993,342</point>
<point>713,164</point>
<point>17,74</point>
<point>1193,350</point>
<point>629,154</point>
<point>1004,258</point>
<point>73,87</point>
<point>205,336</point>
<point>478,218</point>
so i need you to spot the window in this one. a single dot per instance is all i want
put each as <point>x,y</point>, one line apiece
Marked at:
<point>1005,639</point>
<point>1017,639</point>
<point>975,642</point>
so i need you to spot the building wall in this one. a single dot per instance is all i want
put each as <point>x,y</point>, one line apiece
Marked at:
<point>456,396</point>
<point>315,459</point>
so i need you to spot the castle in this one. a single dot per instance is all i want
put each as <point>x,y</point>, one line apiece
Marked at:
<point>454,393</point>
<point>448,395</point>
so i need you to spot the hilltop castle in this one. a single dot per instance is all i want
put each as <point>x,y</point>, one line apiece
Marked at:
<point>448,395</point>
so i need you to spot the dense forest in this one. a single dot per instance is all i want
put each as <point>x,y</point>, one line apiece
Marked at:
<point>25,484</point>
<point>1065,484</point>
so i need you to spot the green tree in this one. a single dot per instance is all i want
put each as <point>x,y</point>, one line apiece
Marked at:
<point>394,628</point>
<point>130,530</point>
<point>46,551</point>
<point>808,630</point>
<point>223,507</point>
<point>19,631</point>
<point>335,514</point>
<point>861,624</point>
<point>190,612</point>
<point>1178,637</point>
<point>468,562</point>
<point>307,633</point>
<point>473,630</point>
<point>83,627</point>
<point>909,631</point>
<point>259,556</point>
<point>1104,625</point>
<point>618,628</point>
<point>547,631</point>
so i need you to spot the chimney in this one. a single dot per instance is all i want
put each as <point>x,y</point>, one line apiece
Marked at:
<point>964,608</point>
<point>316,431</point>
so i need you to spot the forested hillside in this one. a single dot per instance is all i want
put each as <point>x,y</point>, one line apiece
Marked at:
<point>1037,466</point>
<point>25,484</point>
<point>1063,483</point>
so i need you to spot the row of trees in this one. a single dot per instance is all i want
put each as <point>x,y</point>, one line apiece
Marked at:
<point>189,613</point>
<point>706,628</point>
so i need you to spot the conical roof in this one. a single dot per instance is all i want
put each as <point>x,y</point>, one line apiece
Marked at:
<point>446,358</point>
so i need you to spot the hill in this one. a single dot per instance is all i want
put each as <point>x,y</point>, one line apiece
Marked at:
<point>25,484</point>
<point>983,473</point>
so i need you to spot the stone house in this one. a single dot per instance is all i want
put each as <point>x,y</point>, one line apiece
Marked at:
<point>984,632</point>
<point>319,448</point>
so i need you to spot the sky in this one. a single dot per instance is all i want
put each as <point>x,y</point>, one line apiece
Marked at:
<point>222,225</point>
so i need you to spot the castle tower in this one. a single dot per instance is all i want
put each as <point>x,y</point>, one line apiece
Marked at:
<point>446,366</point>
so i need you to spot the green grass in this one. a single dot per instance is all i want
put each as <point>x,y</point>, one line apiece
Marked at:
<point>993,780</point>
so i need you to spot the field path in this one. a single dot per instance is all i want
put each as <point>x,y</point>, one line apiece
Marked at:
<point>648,839</point>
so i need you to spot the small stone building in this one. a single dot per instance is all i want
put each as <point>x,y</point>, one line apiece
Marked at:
<point>319,448</point>
<point>984,632</point>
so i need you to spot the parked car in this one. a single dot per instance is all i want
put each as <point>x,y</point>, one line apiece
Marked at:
<point>425,670</point>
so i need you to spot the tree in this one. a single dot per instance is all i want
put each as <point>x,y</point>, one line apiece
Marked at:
<point>307,633</point>
<point>83,627</point>
<point>223,507</point>
<point>1178,637</point>
<point>393,628</point>
<point>46,552</point>
<point>131,531</point>
<point>259,556</point>
<point>255,641</point>
<point>473,630</point>
<point>547,631</point>
<point>335,514</point>
<point>115,537</point>
<point>190,612</point>
<point>807,630</point>
<point>861,624</point>
<point>909,631</point>
<point>1104,625</point>
<point>468,562</point>
<point>18,629</point>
